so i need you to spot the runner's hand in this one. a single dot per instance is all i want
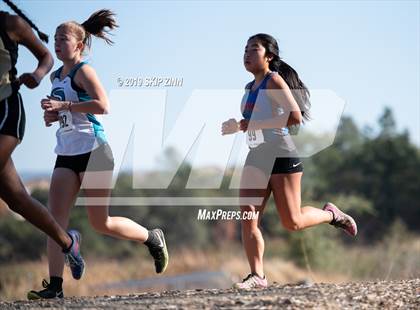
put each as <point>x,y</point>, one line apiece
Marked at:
<point>50,117</point>
<point>230,127</point>
<point>51,104</point>
<point>243,124</point>
<point>30,80</point>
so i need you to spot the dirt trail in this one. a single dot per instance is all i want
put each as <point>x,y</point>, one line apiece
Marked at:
<point>403,294</point>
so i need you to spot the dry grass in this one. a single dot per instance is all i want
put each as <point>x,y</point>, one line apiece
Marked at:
<point>393,259</point>
<point>18,279</point>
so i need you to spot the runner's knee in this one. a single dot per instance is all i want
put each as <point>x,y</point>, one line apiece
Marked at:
<point>100,225</point>
<point>250,228</point>
<point>293,223</point>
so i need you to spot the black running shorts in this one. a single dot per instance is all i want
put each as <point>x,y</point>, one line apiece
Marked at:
<point>269,158</point>
<point>12,116</point>
<point>100,159</point>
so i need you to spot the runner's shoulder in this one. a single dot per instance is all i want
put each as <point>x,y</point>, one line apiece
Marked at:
<point>276,82</point>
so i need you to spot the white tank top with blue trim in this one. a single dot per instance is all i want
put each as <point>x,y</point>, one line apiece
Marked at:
<point>79,133</point>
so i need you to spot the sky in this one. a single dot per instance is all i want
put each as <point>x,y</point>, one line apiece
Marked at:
<point>365,52</point>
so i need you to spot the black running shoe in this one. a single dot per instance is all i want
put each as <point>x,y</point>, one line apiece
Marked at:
<point>159,251</point>
<point>47,293</point>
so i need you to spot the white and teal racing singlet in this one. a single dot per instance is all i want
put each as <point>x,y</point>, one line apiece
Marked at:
<point>78,133</point>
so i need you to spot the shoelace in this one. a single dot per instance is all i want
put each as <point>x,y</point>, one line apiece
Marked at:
<point>45,284</point>
<point>249,280</point>
<point>157,252</point>
<point>70,260</point>
<point>341,225</point>
<point>339,221</point>
<point>247,277</point>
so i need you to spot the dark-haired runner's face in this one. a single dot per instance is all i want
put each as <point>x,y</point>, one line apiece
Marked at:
<point>254,57</point>
<point>66,45</point>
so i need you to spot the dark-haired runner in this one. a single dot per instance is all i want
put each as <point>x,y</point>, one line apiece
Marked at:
<point>275,101</point>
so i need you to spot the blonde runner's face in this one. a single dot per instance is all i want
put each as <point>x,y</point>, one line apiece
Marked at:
<point>66,46</point>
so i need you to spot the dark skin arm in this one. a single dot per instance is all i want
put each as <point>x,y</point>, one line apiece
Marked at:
<point>20,32</point>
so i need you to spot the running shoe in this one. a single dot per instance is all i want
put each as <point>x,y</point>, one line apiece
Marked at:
<point>159,251</point>
<point>341,219</point>
<point>73,258</point>
<point>47,293</point>
<point>252,281</point>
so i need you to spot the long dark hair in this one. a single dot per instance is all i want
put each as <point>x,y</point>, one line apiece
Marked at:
<point>18,12</point>
<point>299,90</point>
<point>99,24</point>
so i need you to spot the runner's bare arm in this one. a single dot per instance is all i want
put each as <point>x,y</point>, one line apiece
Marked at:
<point>87,79</point>
<point>281,97</point>
<point>21,32</point>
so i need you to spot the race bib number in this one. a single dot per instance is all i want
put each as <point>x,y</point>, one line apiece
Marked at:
<point>66,122</point>
<point>254,138</point>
